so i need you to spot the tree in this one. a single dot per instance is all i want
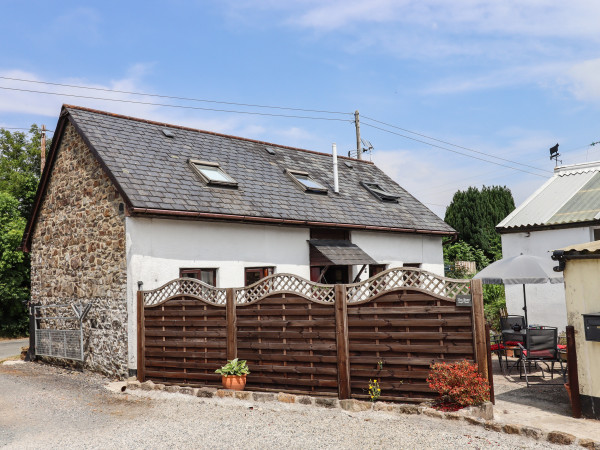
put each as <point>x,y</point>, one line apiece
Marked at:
<point>14,269</point>
<point>475,214</point>
<point>20,165</point>
<point>462,251</point>
<point>19,177</point>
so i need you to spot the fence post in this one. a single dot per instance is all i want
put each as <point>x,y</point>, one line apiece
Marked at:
<point>231,324</point>
<point>141,376</point>
<point>572,371</point>
<point>479,327</point>
<point>341,338</point>
<point>31,352</point>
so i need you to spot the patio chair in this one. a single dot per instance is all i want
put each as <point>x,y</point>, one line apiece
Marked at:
<point>497,347</point>
<point>540,347</point>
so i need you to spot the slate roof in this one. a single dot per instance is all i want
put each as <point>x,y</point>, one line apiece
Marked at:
<point>570,197</point>
<point>341,253</point>
<point>152,172</point>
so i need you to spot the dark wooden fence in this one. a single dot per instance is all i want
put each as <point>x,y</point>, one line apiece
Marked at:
<point>302,337</point>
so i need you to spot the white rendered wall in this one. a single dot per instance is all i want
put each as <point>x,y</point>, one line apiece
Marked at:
<point>395,250</point>
<point>582,284</point>
<point>545,302</point>
<point>158,248</point>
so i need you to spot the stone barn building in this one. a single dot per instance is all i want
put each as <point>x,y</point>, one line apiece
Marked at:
<point>126,203</point>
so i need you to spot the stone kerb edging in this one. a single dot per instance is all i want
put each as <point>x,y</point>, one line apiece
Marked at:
<point>480,415</point>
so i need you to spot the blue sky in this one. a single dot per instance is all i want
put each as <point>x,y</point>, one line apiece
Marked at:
<point>509,79</point>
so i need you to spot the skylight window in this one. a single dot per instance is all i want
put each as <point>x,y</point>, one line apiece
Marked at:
<point>379,192</point>
<point>212,173</point>
<point>168,133</point>
<point>306,182</point>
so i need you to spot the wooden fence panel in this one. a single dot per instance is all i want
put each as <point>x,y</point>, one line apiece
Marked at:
<point>302,337</point>
<point>289,343</point>
<point>185,341</point>
<point>394,339</point>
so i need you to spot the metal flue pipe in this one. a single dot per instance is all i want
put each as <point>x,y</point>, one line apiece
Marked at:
<point>336,187</point>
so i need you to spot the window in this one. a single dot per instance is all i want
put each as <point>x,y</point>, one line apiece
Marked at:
<point>595,234</point>
<point>375,269</point>
<point>306,182</point>
<point>330,274</point>
<point>209,276</point>
<point>254,274</point>
<point>412,265</point>
<point>211,173</point>
<point>379,192</point>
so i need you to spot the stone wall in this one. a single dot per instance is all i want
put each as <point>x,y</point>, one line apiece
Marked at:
<point>78,252</point>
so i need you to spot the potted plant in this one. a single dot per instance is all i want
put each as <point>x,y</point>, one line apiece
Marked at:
<point>233,374</point>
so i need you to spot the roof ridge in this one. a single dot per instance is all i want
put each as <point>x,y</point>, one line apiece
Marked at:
<point>180,127</point>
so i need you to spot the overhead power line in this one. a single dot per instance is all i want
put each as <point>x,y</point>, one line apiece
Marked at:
<point>172,97</point>
<point>257,113</point>
<point>174,106</point>
<point>453,145</point>
<point>22,128</point>
<point>450,150</point>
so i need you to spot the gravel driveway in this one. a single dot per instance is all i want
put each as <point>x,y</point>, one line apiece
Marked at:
<point>47,407</point>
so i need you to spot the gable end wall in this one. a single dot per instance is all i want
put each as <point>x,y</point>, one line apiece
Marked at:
<point>78,252</point>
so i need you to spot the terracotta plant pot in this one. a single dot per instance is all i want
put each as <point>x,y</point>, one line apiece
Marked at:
<point>235,382</point>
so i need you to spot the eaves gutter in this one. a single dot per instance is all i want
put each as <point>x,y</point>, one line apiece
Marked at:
<point>276,221</point>
<point>562,257</point>
<point>542,227</point>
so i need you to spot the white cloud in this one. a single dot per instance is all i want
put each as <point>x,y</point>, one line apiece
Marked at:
<point>537,18</point>
<point>585,79</point>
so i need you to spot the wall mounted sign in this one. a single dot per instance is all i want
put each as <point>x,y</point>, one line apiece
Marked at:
<point>464,300</point>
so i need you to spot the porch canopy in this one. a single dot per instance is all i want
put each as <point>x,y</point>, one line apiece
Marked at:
<point>333,252</point>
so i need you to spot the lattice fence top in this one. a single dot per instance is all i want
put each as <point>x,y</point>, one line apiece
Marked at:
<point>286,283</point>
<point>321,293</point>
<point>185,286</point>
<point>406,278</point>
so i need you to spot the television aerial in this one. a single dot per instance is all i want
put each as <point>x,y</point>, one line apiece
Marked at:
<point>367,147</point>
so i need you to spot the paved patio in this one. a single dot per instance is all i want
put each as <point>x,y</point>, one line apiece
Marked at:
<point>544,404</point>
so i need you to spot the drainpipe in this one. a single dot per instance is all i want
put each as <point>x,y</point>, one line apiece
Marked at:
<point>336,187</point>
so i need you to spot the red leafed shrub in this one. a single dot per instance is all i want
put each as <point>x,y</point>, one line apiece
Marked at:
<point>459,383</point>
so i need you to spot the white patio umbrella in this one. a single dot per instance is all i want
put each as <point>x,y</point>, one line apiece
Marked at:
<point>521,269</point>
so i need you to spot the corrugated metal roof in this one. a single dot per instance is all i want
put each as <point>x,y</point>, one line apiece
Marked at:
<point>588,247</point>
<point>549,200</point>
<point>583,206</point>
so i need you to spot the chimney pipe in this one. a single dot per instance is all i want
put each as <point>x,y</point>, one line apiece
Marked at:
<point>336,187</point>
<point>43,149</point>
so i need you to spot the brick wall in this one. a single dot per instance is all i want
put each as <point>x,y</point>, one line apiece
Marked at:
<point>78,252</point>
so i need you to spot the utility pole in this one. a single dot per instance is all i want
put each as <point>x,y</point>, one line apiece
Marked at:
<point>43,149</point>
<point>358,145</point>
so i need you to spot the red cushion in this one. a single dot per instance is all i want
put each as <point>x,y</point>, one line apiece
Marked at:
<point>562,347</point>
<point>496,347</point>
<point>513,343</point>
<point>539,354</point>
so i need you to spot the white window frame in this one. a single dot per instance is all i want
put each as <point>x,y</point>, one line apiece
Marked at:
<point>196,162</point>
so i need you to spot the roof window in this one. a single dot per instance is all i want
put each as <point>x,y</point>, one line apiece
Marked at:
<point>212,173</point>
<point>383,195</point>
<point>168,133</point>
<point>270,151</point>
<point>306,182</point>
